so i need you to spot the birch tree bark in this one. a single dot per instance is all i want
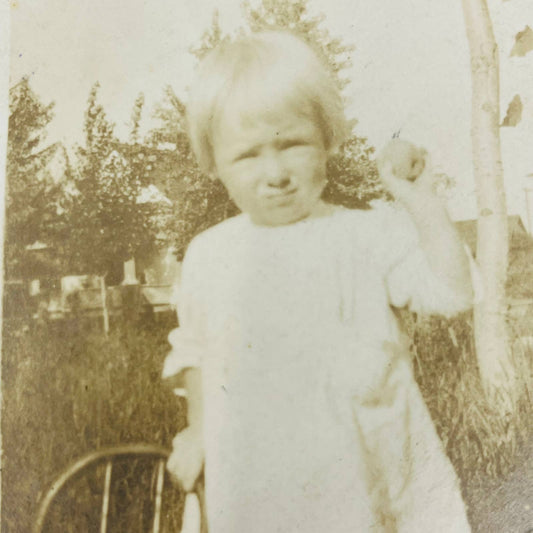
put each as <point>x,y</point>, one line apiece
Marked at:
<point>491,340</point>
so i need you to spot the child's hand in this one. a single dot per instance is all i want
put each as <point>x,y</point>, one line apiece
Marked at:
<point>187,458</point>
<point>404,170</point>
<point>407,160</point>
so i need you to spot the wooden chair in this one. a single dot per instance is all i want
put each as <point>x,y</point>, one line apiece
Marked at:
<point>124,489</point>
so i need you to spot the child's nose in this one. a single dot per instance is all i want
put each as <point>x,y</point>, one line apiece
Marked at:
<point>275,172</point>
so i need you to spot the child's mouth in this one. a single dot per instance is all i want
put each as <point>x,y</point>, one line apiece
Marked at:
<point>281,196</point>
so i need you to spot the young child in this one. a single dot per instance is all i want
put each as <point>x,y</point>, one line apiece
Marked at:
<point>302,401</point>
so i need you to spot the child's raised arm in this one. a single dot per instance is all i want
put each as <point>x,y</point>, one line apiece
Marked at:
<point>438,237</point>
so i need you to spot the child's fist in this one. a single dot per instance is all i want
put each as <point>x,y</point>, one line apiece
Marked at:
<point>187,458</point>
<point>406,160</point>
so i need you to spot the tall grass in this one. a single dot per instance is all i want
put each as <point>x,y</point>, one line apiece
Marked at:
<point>481,440</point>
<point>68,390</point>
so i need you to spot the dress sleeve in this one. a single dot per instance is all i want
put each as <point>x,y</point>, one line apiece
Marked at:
<point>409,279</point>
<point>188,340</point>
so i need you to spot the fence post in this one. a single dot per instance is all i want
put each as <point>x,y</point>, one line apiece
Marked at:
<point>105,312</point>
<point>131,292</point>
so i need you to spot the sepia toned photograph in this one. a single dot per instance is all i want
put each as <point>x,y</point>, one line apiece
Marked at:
<point>267,266</point>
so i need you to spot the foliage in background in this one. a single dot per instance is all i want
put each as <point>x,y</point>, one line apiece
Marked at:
<point>97,210</point>
<point>33,200</point>
<point>89,219</point>
<point>104,214</point>
<point>353,179</point>
<point>293,15</point>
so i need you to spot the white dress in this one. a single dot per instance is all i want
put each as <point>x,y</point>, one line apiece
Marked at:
<point>313,420</point>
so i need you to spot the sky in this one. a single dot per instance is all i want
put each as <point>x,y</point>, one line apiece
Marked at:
<point>410,72</point>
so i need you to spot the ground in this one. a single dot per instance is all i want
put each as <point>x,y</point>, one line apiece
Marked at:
<point>504,506</point>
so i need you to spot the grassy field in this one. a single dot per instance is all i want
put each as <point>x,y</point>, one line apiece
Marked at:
<point>68,390</point>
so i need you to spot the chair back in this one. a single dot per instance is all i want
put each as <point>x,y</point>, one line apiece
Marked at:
<point>124,488</point>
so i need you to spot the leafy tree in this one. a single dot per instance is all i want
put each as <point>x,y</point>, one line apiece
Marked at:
<point>136,115</point>
<point>104,215</point>
<point>210,38</point>
<point>353,179</point>
<point>172,129</point>
<point>293,15</point>
<point>32,200</point>
<point>152,167</point>
<point>352,175</point>
<point>135,151</point>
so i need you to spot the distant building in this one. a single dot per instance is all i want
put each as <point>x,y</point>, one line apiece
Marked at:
<point>517,232</point>
<point>520,272</point>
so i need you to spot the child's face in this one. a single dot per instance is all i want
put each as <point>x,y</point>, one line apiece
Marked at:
<point>272,163</point>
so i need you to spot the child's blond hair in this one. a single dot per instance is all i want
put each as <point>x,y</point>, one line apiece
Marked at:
<point>253,72</point>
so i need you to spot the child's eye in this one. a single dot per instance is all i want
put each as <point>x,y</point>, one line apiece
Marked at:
<point>249,154</point>
<point>292,143</point>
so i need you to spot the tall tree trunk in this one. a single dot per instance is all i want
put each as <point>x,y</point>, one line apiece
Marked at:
<point>492,245</point>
